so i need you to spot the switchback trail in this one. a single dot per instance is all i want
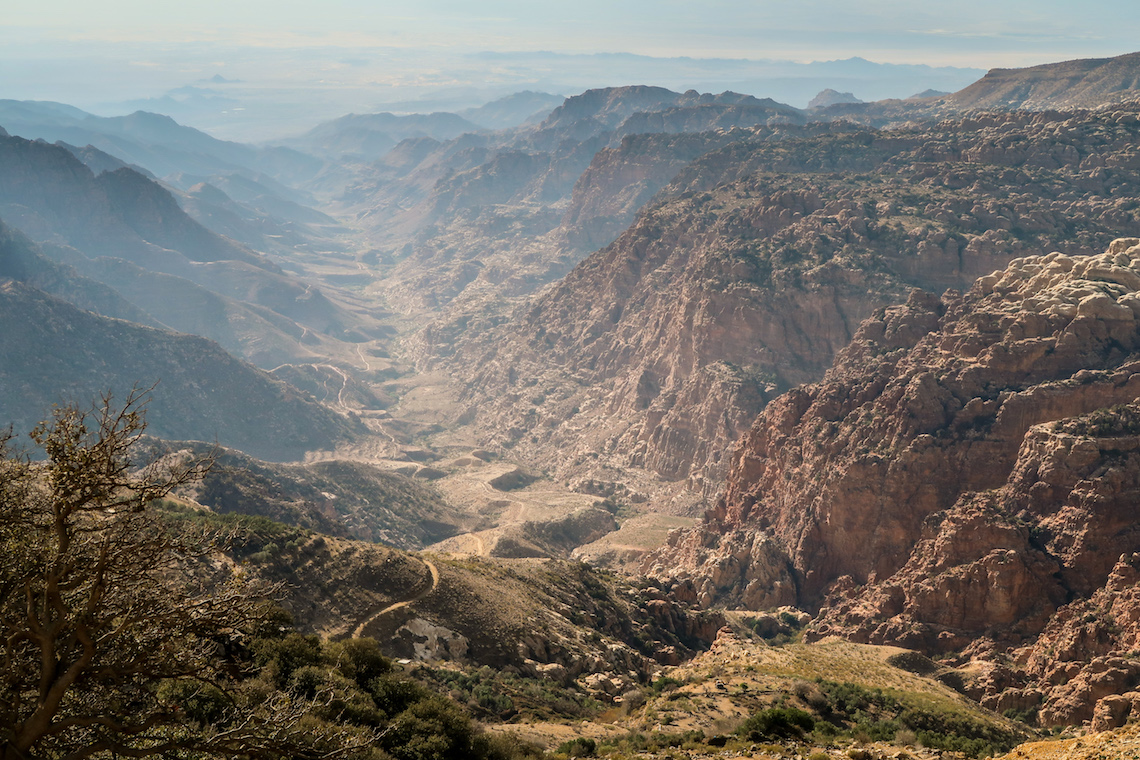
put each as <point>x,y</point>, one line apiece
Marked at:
<point>343,383</point>
<point>359,630</point>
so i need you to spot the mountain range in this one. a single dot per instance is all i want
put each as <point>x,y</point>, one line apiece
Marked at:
<point>875,362</point>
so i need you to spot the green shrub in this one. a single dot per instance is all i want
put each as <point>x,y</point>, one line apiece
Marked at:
<point>505,747</point>
<point>778,723</point>
<point>360,660</point>
<point>874,715</point>
<point>393,695</point>
<point>430,729</point>
<point>308,680</point>
<point>280,657</point>
<point>580,747</point>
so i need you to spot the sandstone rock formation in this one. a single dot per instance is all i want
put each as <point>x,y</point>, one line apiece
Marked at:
<point>963,481</point>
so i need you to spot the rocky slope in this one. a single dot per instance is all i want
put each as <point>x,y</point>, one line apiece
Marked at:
<point>1124,742</point>
<point>340,498</point>
<point>485,214</point>
<point>1085,83</point>
<point>757,264</point>
<point>962,481</point>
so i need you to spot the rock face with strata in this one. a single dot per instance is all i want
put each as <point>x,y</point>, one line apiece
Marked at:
<point>963,481</point>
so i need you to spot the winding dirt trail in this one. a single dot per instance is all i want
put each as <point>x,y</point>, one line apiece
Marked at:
<point>359,630</point>
<point>360,353</point>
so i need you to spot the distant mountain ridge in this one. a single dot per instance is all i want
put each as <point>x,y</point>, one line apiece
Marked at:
<point>785,81</point>
<point>273,215</point>
<point>513,110</point>
<point>120,212</point>
<point>369,136</point>
<point>1077,84</point>
<point>421,202</point>
<point>126,231</point>
<point>151,140</point>
<point>1083,83</point>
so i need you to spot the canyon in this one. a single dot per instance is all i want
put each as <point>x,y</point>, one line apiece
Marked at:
<point>585,393</point>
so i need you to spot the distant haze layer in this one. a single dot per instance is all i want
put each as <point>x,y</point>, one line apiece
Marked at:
<point>250,94</point>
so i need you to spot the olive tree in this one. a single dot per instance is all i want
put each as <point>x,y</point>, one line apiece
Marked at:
<point>109,644</point>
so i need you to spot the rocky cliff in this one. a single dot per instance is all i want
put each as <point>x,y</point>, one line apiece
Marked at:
<point>962,481</point>
<point>755,267</point>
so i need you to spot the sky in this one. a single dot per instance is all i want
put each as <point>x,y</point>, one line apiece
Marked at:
<point>361,54</point>
<point>1002,32</point>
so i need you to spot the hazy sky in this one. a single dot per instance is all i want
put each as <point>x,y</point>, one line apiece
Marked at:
<point>307,58</point>
<point>977,33</point>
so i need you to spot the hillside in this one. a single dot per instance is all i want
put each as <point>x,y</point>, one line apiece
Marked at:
<point>1087,83</point>
<point>22,260</point>
<point>56,352</point>
<point>552,620</point>
<point>340,498</point>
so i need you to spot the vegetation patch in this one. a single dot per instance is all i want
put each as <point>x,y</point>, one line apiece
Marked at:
<point>492,694</point>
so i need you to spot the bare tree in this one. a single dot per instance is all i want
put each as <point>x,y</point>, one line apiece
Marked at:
<point>98,614</point>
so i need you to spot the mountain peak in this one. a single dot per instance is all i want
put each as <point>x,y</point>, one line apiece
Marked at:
<point>830,97</point>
